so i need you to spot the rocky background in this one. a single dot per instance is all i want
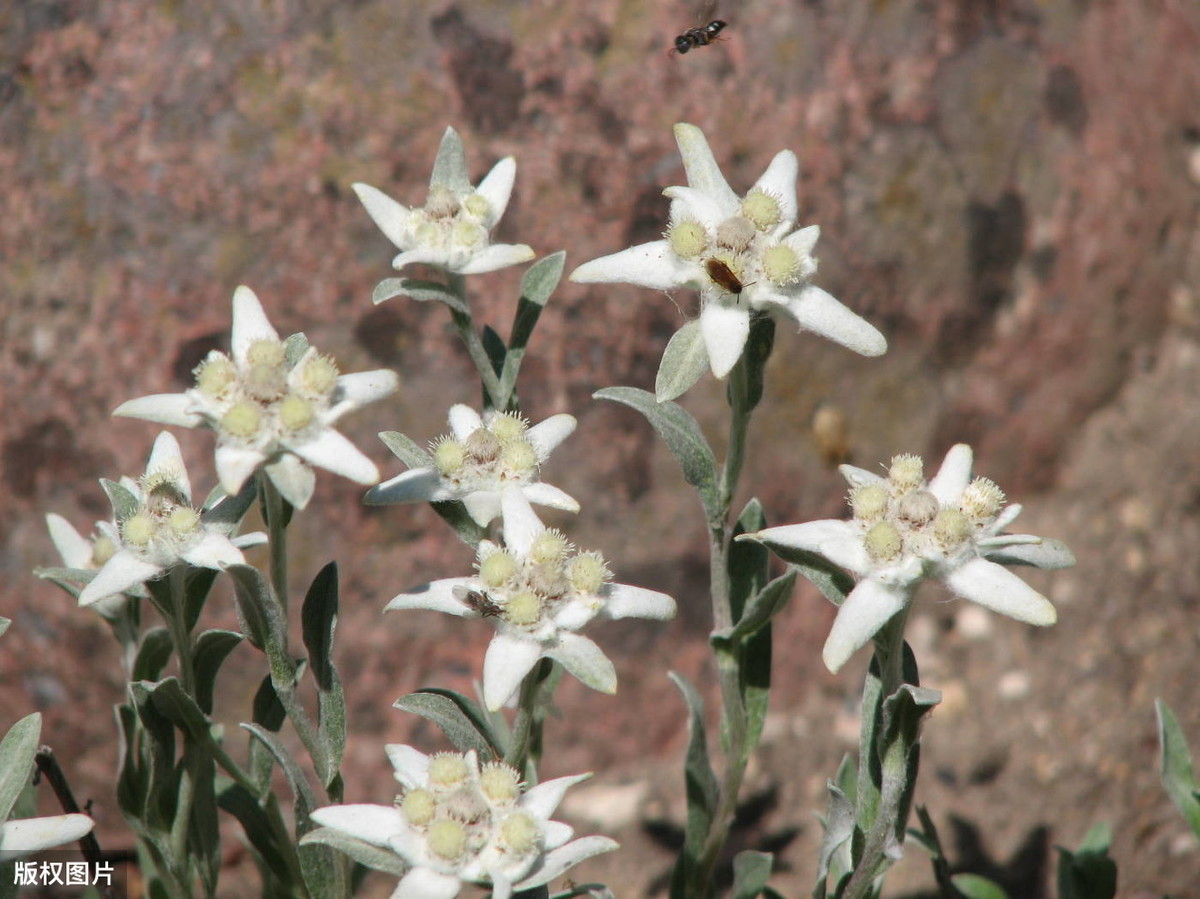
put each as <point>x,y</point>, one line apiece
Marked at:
<point>1008,189</point>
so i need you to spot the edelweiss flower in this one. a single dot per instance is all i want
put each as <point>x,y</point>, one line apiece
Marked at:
<point>452,230</point>
<point>157,528</point>
<point>481,459</point>
<point>905,530</point>
<point>270,410</point>
<point>538,592</point>
<point>741,252</point>
<point>458,822</point>
<point>87,555</point>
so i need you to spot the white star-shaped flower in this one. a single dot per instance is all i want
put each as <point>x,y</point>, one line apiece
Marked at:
<point>87,555</point>
<point>459,821</point>
<point>453,229</point>
<point>905,530</point>
<point>537,592</point>
<point>479,460</point>
<point>157,528</point>
<point>744,254</point>
<point>271,411</point>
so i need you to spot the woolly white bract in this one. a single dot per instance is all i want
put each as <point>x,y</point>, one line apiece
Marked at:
<point>481,459</point>
<point>742,253</point>
<point>538,593</point>
<point>453,229</point>
<point>905,530</point>
<point>157,528</point>
<point>459,821</point>
<point>271,411</point>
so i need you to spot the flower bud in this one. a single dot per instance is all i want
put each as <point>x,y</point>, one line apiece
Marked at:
<point>497,569</point>
<point>523,609</point>
<point>447,838</point>
<point>917,508</point>
<point>587,573</point>
<point>446,769</point>
<point>869,502</point>
<point>883,542</point>
<point>907,472</point>
<point>449,456</point>
<point>762,209</point>
<point>687,239</point>
<point>418,806</point>
<point>520,832</point>
<point>499,782</point>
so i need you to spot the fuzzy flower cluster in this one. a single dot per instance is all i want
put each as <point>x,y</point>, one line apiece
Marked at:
<point>453,229</point>
<point>461,821</point>
<point>742,252</point>
<point>156,527</point>
<point>906,529</point>
<point>481,458</point>
<point>271,408</point>
<point>538,591</point>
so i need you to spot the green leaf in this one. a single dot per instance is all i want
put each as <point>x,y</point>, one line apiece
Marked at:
<point>212,648</point>
<point>461,720</point>
<point>253,603</point>
<point>406,450</point>
<point>751,870</point>
<point>1088,873</point>
<point>753,362</point>
<point>764,606</point>
<point>1175,766</point>
<point>227,512</point>
<point>684,362</point>
<point>203,833</point>
<point>262,829</point>
<point>493,345</point>
<point>541,279</point>
<point>321,869</point>
<point>835,585</point>
<point>294,348</point>
<point>839,826</point>
<point>416,289</point>
<point>364,853</point>
<point>153,653</point>
<point>537,285</point>
<point>301,790</point>
<point>176,706</point>
<point>455,515</point>
<point>701,787</point>
<point>17,751</point>
<point>972,886</point>
<point>748,561</point>
<point>124,502</point>
<point>5,622</point>
<point>156,748</point>
<point>319,620</point>
<point>70,579</point>
<point>450,167</point>
<point>682,436</point>
<point>269,712</point>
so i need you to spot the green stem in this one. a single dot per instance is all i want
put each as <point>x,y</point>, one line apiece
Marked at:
<point>180,634</point>
<point>893,767</point>
<point>526,748</point>
<point>734,722</point>
<point>465,326</point>
<point>275,515</point>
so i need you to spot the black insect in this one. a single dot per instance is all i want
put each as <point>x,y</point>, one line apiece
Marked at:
<point>477,601</point>
<point>701,35</point>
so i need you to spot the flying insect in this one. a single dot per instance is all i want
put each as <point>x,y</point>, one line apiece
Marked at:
<point>701,35</point>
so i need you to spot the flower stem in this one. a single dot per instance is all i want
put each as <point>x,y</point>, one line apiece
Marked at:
<point>526,748</point>
<point>734,724</point>
<point>465,325</point>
